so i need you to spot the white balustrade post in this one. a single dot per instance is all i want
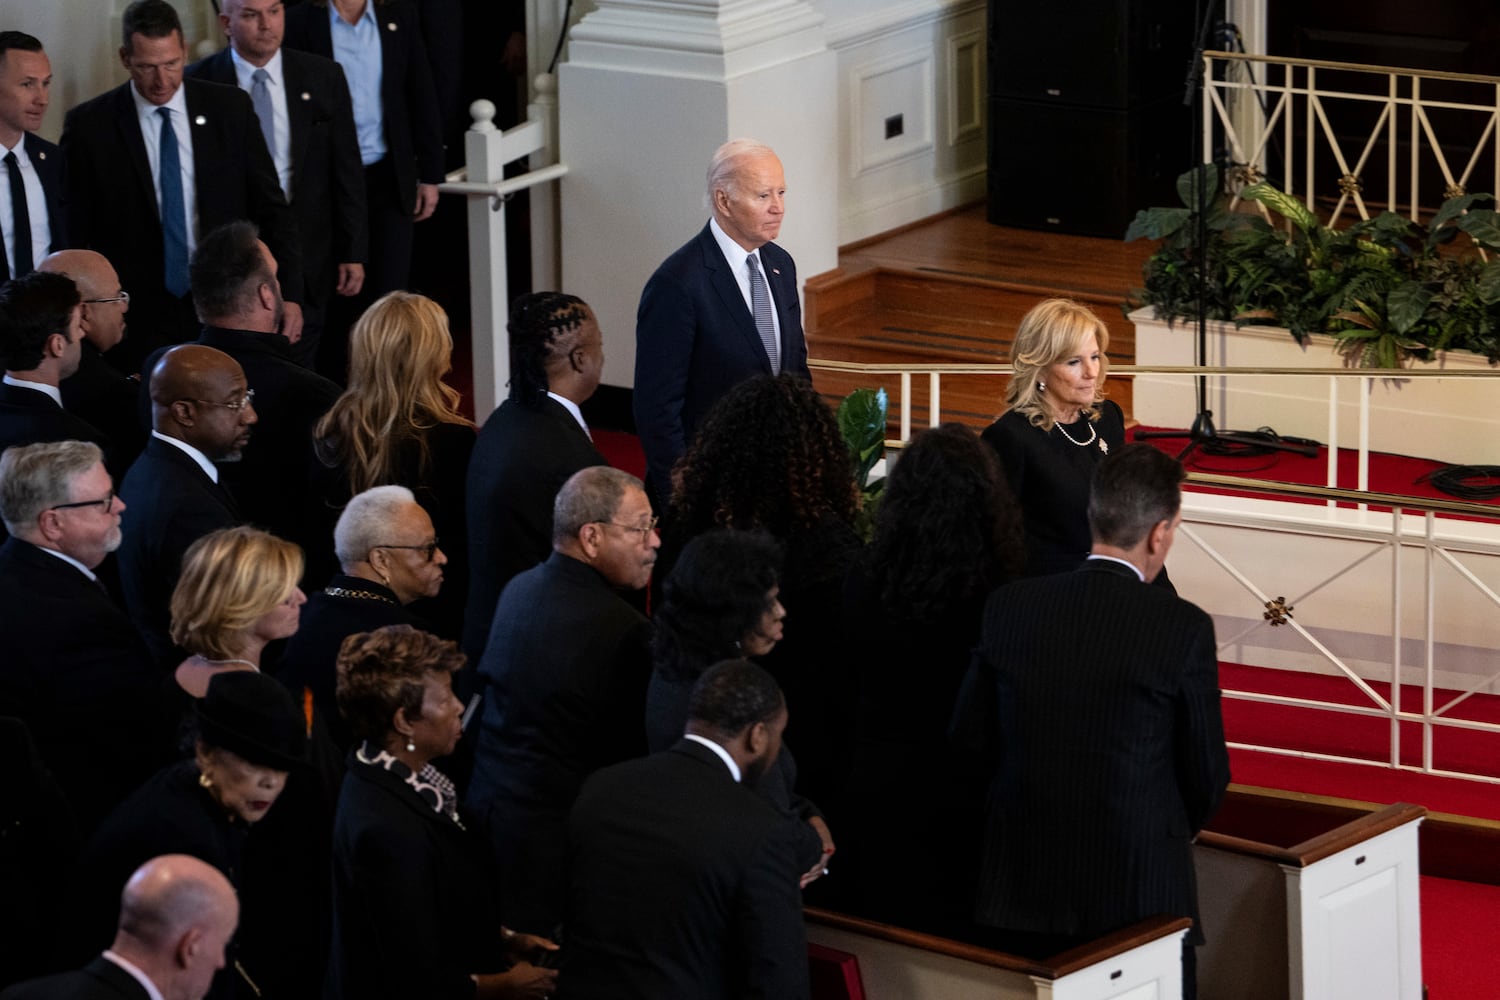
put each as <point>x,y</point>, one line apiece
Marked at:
<point>546,255</point>
<point>489,296</point>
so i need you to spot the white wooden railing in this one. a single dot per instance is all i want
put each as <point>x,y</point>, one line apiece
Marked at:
<point>1275,115</point>
<point>1378,573</point>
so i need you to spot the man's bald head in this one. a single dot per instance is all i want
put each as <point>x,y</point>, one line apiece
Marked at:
<point>103,321</point>
<point>199,395</point>
<point>177,913</point>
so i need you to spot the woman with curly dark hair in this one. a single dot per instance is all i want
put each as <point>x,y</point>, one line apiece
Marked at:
<point>769,456</point>
<point>947,534</point>
<point>722,603</point>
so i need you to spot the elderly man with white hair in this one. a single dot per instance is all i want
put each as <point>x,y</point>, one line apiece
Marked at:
<point>388,557</point>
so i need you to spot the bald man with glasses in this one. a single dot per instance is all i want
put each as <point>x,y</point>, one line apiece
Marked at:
<point>75,670</point>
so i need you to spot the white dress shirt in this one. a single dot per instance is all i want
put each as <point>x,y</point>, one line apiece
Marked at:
<point>209,469</point>
<point>736,254</point>
<point>50,390</point>
<point>281,122</point>
<point>572,408</point>
<point>36,207</point>
<point>734,768</point>
<point>150,123</point>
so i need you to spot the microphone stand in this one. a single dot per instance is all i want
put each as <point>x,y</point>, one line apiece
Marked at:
<point>1203,432</point>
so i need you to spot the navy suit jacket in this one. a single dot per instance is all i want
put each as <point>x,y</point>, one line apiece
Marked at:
<point>101,979</point>
<point>695,339</point>
<point>112,197</point>
<point>328,183</point>
<point>172,504</point>
<point>409,108</point>
<point>47,160</point>
<point>29,416</point>
<point>1097,697</point>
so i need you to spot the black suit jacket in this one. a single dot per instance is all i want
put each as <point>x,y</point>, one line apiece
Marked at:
<point>695,339</point>
<point>414,908</point>
<point>328,183</point>
<point>172,504</point>
<point>684,885</point>
<point>47,159</point>
<point>101,979</point>
<point>30,416</point>
<point>101,395</point>
<point>564,677</point>
<point>78,675</point>
<point>1099,696</point>
<point>271,478</point>
<point>521,459</point>
<point>409,110</point>
<point>112,198</point>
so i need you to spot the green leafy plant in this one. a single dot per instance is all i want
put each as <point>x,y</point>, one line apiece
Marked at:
<point>1389,290</point>
<point>862,421</point>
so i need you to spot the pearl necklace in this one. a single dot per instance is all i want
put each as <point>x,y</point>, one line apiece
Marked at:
<point>1082,444</point>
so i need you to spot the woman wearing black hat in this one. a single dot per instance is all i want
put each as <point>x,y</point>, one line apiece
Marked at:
<point>250,735</point>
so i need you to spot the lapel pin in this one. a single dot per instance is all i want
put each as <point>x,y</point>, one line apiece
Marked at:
<point>775,270</point>
<point>41,154</point>
<point>200,120</point>
<point>306,96</point>
<point>390,26</point>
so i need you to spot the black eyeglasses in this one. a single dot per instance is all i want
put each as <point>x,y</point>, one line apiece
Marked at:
<point>237,405</point>
<point>124,297</point>
<point>428,551</point>
<point>107,502</point>
<point>644,531</point>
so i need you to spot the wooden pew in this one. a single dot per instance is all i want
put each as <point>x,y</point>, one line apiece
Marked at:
<point>1141,962</point>
<point>1309,900</point>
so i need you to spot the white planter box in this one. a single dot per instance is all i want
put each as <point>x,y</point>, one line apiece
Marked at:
<point>1451,420</point>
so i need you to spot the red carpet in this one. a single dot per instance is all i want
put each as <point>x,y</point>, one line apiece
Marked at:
<point>1388,473</point>
<point>1460,925</point>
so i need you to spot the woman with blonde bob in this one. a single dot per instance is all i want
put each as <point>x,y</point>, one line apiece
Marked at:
<point>398,423</point>
<point>1056,428</point>
<point>238,591</point>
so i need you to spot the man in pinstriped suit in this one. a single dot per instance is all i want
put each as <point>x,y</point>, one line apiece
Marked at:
<point>1097,698</point>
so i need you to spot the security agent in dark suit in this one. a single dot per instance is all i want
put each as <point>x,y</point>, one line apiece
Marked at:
<point>41,342</point>
<point>1098,698</point>
<point>708,319</point>
<point>564,674</point>
<point>146,217</point>
<point>684,882</point>
<point>529,447</point>
<point>176,915</point>
<point>98,392</point>
<point>310,135</point>
<point>201,414</point>
<point>75,671</point>
<point>379,45</point>
<point>31,211</point>
<point>237,292</point>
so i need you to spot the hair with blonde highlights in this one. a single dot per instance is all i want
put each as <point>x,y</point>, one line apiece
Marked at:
<point>1052,331</point>
<point>399,352</point>
<point>387,669</point>
<point>230,578</point>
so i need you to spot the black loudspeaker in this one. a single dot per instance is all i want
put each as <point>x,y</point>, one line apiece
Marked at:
<point>1083,170</point>
<point>1098,53</point>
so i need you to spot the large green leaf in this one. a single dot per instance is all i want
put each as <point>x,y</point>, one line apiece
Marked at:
<point>1483,225</point>
<point>1187,185</point>
<point>862,417</point>
<point>1156,223</point>
<point>1455,207</point>
<point>1405,305</point>
<point>1282,203</point>
<point>1488,285</point>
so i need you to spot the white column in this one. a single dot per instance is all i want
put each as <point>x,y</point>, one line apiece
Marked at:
<point>649,89</point>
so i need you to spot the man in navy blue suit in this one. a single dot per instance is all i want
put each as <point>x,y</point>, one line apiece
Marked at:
<point>722,308</point>
<point>25,81</point>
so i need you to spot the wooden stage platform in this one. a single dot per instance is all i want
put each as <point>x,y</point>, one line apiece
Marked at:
<point>950,290</point>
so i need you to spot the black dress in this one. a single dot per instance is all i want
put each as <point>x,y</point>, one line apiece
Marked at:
<point>1049,473</point>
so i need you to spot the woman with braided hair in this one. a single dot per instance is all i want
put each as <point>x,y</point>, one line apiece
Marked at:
<point>529,447</point>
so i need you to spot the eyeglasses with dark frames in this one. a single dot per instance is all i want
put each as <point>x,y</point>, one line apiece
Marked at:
<point>428,550</point>
<point>106,502</point>
<point>643,531</point>
<point>237,405</point>
<point>123,297</point>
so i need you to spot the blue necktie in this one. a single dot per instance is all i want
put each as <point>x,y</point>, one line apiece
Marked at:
<point>173,210</point>
<point>260,97</point>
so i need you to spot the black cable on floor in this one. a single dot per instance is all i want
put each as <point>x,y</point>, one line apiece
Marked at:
<point>1467,482</point>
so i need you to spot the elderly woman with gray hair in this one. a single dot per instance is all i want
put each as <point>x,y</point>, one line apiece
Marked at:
<point>388,557</point>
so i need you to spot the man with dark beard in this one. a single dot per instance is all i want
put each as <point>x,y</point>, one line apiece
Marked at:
<point>684,881</point>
